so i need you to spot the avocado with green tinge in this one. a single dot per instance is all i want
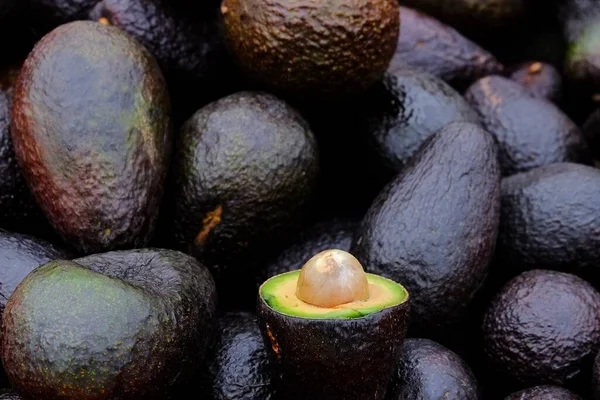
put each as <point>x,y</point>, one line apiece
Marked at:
<point>238,365</point>
<point>314,49</point>
<point>429,371</point>
<point>405,109</point>
<point>550,219</point>
<point>9,395</point>
<point>127,324</point>
<point>544,392</point>
<point>530,131</point>
<point>542,80</point>
<point>434,227</point>
<point>432,46</point>
<point>96,164</point>
<point>540,328</point>
<point>333,331</point>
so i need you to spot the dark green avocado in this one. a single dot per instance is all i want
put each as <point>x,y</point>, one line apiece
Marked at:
<point>542,80</point>
<point>550,219</point>
<point>245,171</point>
<point>9,395</point>
<point>408,107</point>
<point>327,337</point>
<point>96,164</point>
<point>544,392</point>
<point>238,365</point>
<point>434,227</point>
<point>118,325</point>
<point>429,45</point>
<point>312,49</point>
<point>429,371</point>
<point>541,327</point>
<point>530,131</point>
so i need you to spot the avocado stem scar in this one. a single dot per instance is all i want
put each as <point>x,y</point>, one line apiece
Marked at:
<point>212,219</point>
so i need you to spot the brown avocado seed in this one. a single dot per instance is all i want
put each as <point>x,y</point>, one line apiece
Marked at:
<point>331,278</point>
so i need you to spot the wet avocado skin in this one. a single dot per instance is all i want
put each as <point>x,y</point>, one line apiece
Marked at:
<point>95,164</point>
<point>334,359</point>
<point>153,317</point>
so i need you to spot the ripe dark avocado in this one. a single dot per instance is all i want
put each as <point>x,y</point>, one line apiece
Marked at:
<point>542,80</point>
<point>530,132</point>
<point>333,331</point>
<point>406,108</point>
<point>541,326</point>
<point>9,395</point>
<point>596,378</point>
<point>544,392</point>
<point>96,164</point>
<point>19,255</point>
<point>245,171</point>
<point>432,46</point>
<point>118,325</point>
<point>434,227</point>
<point>61,11</point>
<point>308,48</point>
<point>238,365</point>
<point>550,219</point>
<point>429,371</point>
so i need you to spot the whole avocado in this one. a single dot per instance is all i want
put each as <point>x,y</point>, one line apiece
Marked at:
<point>118,325</point>
<point>96,164</point>
<point>544,392</point>
<point>309,48</point>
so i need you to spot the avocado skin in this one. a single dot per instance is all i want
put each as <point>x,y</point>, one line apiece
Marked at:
<point>245,170</point>
<point>432,46</point>
<point>9,395</point>
<point>334,359</point>
<point>345,47</point>
<point>62,11</point>
<point>153,317</point>
<point>540,328</point>
<point>406,108</point>
<point>19,255</point>
<point>101,194</point>
<point>530,132</point>
<point>544,392</point>
<point>238,365</point>
<point>433,228</point>
<point>549,220</point>
<point>429,371</point>
<point>541,80</point>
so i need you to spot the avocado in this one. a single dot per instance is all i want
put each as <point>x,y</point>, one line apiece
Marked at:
<point>428,44</point>
<point>333,331</point>
<point>530,131</point>
<point>19,255</point>
<point>312,49</point>
<point>245,169</point>
<point>126,324</point>
<point>540,328</point>
<point>406,108</point>
<point>596,377</point>
<point>238,365</point>
<point>62,11</point>
<point>542,80</point>
<point>6,394</point>
<point>544,392</point>
<point>549,220</point>
<point>434,226</point>
<point>429,371</point>
<point>96,164</point>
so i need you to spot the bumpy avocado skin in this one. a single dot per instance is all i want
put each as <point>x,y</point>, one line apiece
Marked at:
<point>544,392</point>
<point>9,395</point>
<point>542,80</point>
<point>408,107</point>
<point>334,359</point>
<point>118,325</point>
<point>91,129</point>
<point>309,48</point>
<point>429,371</point>
<point>245,171</point>
<point>541,327</point>
<point>238,365</point>
<point>434,227</point>
<point>530,132</point>
<point>427,44</point>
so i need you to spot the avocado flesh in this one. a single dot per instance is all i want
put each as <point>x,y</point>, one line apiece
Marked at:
<point>279,293</point>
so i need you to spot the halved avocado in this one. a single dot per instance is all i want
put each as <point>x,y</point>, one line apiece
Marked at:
<point>333,331</point>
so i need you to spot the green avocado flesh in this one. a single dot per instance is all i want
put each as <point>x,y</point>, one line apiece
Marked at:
<point>279,292</point>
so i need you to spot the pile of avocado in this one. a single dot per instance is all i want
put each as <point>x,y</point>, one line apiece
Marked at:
<point>300,200</point>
